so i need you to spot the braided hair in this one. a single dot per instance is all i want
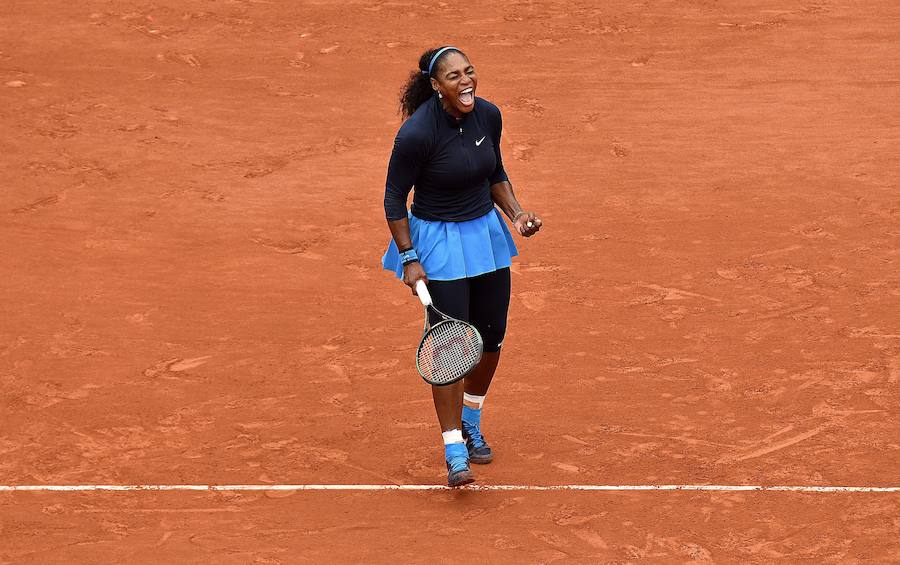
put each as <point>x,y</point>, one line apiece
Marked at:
<point>417,89</point>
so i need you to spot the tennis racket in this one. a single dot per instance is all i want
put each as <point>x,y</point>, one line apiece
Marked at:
<point>450,348</point>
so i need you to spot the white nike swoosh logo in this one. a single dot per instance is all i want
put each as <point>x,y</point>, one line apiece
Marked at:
<point>477,143</point>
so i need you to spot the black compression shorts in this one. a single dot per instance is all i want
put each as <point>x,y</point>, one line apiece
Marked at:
<point>483,301</point>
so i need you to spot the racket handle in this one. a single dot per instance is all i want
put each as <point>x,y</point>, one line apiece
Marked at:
<point>422,291</point>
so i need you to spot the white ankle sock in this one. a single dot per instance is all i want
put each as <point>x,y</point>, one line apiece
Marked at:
<point>452,436</point>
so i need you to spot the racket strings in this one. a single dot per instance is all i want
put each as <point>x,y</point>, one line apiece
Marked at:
<point>448,351</point>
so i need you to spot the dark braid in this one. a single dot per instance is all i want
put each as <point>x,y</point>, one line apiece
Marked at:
<point>417,89</point>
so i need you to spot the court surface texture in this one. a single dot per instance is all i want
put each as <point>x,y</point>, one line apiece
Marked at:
<point>191,293</point>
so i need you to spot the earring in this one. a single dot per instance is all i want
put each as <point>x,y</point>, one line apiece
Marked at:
<point>440,95</point>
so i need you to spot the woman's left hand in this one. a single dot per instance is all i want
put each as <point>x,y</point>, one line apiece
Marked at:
<point>527,224</point>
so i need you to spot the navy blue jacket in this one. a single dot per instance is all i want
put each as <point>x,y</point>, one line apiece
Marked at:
<point>451,162</point>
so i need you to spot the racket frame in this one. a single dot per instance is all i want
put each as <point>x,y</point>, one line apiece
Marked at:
<point>425,298</point>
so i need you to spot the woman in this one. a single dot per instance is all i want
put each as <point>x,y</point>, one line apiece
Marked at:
<point>454,238</point>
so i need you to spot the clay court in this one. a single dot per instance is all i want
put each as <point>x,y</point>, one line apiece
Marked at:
<point>191,290</point>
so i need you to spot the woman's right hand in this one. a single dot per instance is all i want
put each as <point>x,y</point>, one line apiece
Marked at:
<point>412,272</point>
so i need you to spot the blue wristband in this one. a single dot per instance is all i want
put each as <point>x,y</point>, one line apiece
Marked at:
<point>408,256</point>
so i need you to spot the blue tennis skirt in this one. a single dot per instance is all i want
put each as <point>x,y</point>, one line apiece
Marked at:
<point>456,250</point>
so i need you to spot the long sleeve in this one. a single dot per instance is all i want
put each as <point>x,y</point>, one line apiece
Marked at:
<point>499,174</point>
<point>403,170</point>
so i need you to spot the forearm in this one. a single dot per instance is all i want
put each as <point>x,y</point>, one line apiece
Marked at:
<point>412,270</point>
<point>400,233</point>
<point>503,196</point>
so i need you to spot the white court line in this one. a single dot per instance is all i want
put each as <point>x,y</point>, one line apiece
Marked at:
<point>717,488</point>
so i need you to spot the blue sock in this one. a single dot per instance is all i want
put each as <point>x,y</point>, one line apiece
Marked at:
<point>471,416</point>
<point>453,450</point>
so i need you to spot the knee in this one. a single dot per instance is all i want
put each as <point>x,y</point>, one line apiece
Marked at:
<point>493,335</point>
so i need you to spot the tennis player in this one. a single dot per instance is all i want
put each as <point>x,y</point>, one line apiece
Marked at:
<point>454,238</point>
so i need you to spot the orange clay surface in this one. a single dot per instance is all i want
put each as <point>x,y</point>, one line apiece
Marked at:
<point>191,290</point>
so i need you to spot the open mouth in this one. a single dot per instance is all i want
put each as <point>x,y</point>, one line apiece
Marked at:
<point>467,96</point>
